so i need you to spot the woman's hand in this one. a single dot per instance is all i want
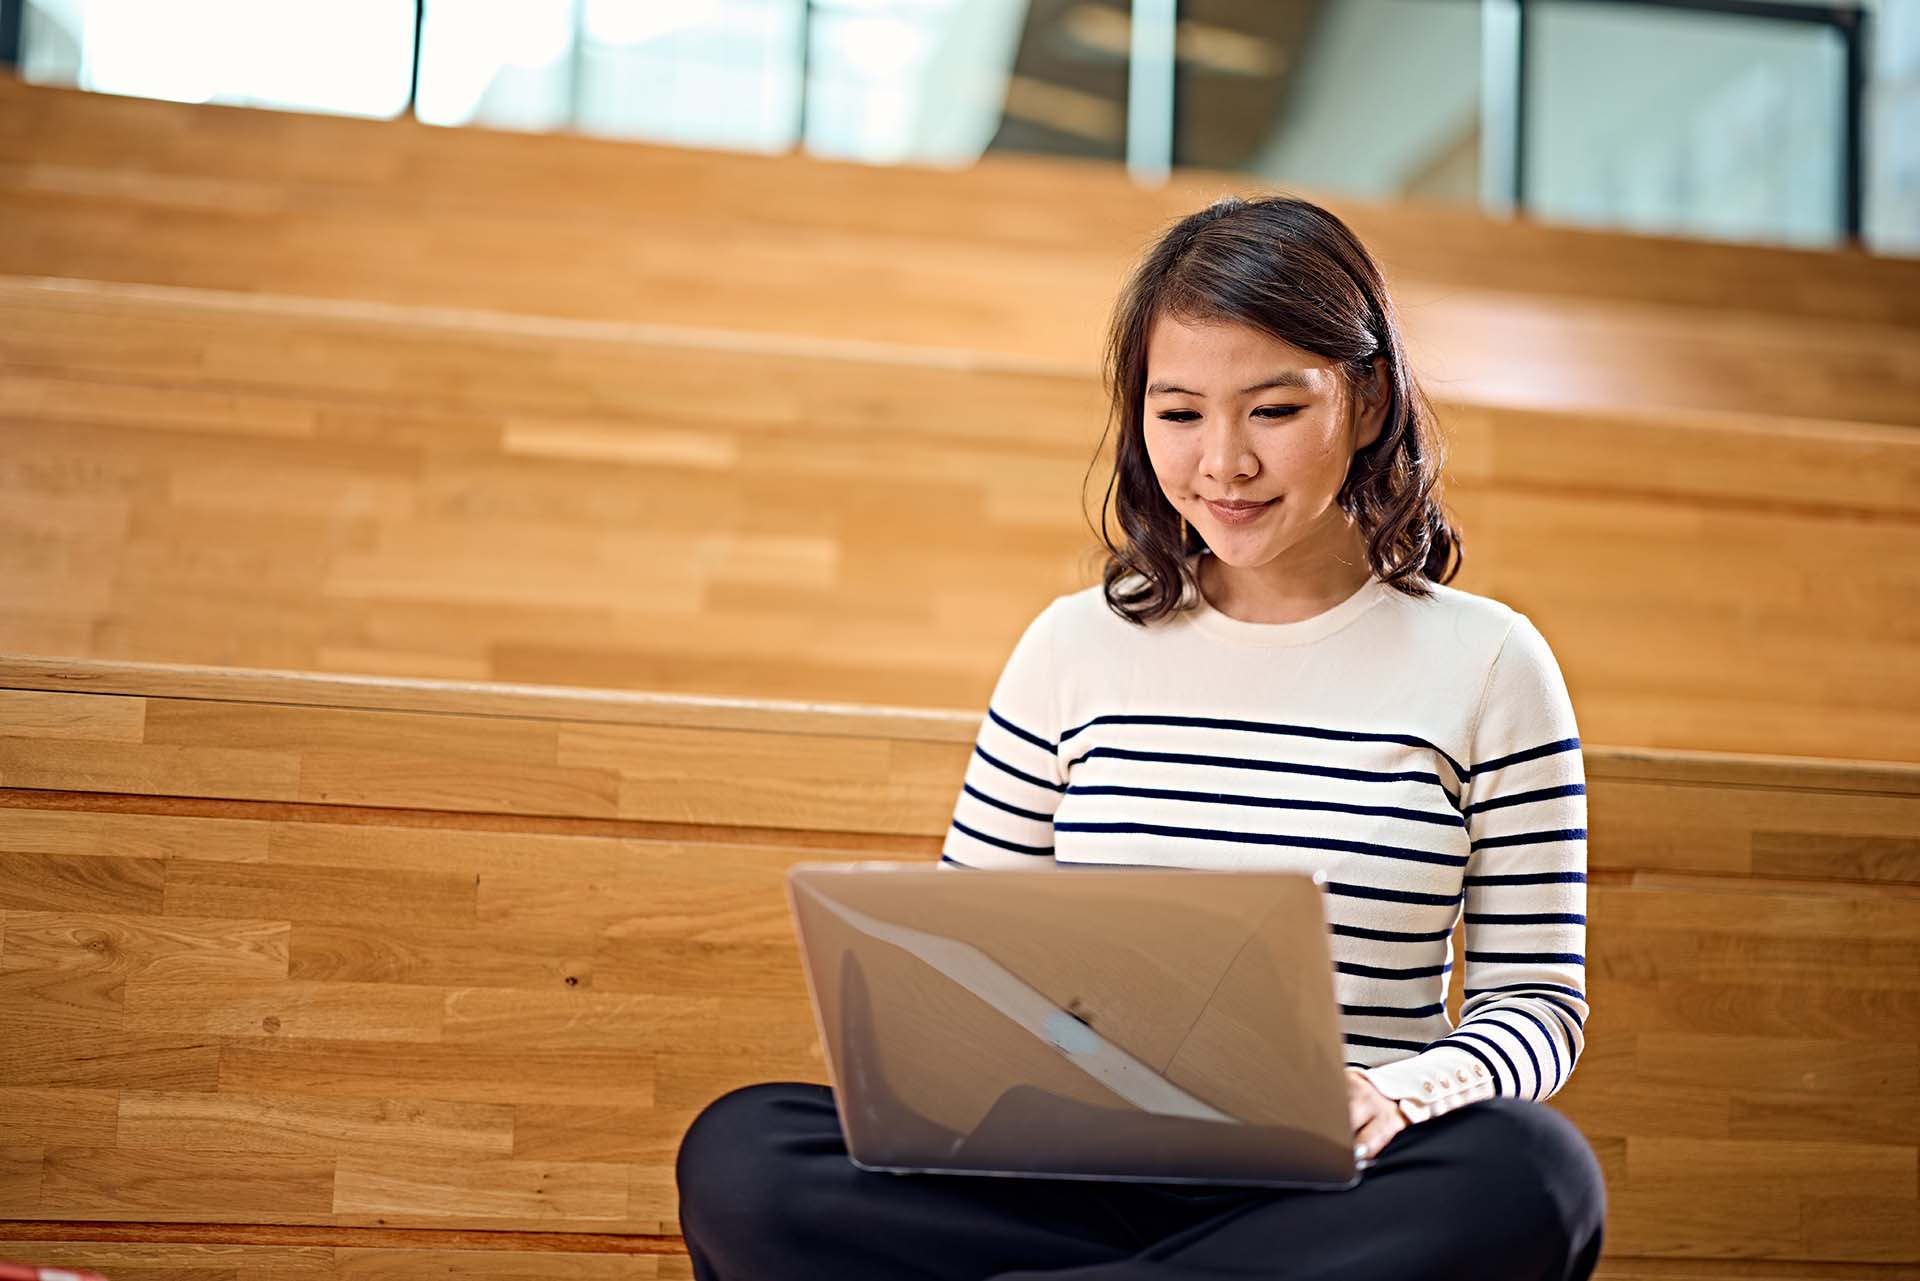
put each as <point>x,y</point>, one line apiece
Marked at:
<point>1376,1118</point>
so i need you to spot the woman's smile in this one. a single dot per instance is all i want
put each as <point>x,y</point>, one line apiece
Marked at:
<point>1238,515</point>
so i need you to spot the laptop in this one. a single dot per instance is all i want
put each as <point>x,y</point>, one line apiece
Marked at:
<point>1164,1025</point>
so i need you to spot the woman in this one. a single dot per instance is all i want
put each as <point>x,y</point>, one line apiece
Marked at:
<point>1272,674</point>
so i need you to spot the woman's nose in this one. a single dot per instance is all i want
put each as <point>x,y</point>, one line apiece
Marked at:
<point>1225,451</point>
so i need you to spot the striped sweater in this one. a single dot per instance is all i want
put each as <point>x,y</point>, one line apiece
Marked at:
<point>1423,755</point>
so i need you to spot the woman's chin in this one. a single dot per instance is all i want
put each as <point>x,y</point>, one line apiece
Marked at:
<point>1242,549</point>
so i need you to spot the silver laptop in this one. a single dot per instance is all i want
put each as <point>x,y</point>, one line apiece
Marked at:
<point>1141,1024</point>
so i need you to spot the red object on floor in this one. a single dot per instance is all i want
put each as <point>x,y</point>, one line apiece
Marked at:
<point>28,1272</point>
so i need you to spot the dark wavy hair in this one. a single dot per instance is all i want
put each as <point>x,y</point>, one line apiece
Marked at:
<point>1293,270</point>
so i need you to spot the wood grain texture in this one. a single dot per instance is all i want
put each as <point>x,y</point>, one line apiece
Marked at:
<point>1672,811</point>
<point>246,1260</point>
<point>385,1011</point>
<point>920,272</point>
<point>404,932</point>
<point>1695,602</point>
<point>218,156</point>
<point>243,1261</point>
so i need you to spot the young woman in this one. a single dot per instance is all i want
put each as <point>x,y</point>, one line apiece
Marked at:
<point>1271,675</point>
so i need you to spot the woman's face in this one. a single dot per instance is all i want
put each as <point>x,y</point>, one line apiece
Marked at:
<point>1233,414</point>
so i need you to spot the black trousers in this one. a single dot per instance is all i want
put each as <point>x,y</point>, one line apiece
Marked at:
<point>1499,1190</point>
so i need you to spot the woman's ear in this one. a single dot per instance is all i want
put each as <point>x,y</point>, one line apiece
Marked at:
<point>1374,394</point>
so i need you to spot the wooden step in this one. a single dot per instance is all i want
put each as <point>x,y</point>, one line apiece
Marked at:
<point>299,951</point>
<point>196,485</point>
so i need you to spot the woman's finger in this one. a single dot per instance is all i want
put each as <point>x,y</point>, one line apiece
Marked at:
<point>1374,1134</point>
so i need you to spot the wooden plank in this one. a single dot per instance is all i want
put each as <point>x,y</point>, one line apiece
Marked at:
<point>124,1261</point>
<point>177,722</point>
<point>80,834</point>
<point>37,714</point>
<point>1678,810</point>
<point>36,1117</point>
<point>43,1052</point>
<point>20,1173</point>
<point>1738,1167</point>
<point>135,768</point>
<point>57,963</point>
<point>490,1017</point>
<point>292,1008</point>
<point>198,1121</point>
<point>417,781</point>
<point>291,892</point>
<point>213,156</point>
<point>490,698</point>
<point>494,1265</point>
<point>490,1191</point>
<point>62,882</point>
<point>551,1132</point>
<point>398,952</point>
<point>116,1183</point>
<point>617,1075</point>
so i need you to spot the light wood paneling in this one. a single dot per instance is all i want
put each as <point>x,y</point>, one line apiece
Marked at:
<point>1727,585</point>
<point>125,1261</point>
<point>481,1260</point>
<point>812,770</point>
<point>940,304</point>
<point>1752,963</point>
<point>314,976</point>
<point>866,253</point>
<point>220,157</point>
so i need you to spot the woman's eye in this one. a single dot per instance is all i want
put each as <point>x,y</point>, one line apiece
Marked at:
<point>1265,411</point>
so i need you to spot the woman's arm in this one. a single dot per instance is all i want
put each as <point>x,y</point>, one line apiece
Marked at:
<point>1014,780</point>
<point>1523,1022</point>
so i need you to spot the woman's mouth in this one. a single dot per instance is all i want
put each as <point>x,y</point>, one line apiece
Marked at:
<point>1239,514</point>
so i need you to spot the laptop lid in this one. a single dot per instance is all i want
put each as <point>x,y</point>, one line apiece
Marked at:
<point>1141,1024</point>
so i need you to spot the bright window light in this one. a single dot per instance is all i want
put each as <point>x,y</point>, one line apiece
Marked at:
<point>350,57</point>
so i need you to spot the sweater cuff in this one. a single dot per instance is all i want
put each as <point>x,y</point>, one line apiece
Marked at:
<point>1433,1081</point>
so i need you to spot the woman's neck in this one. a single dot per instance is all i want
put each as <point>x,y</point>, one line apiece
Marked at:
<point>1281,594</point>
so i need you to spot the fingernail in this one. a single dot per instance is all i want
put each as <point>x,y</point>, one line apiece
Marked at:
<point>1360,1149</point>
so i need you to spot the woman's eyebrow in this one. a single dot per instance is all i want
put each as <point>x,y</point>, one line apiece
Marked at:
<point>1285,378</point>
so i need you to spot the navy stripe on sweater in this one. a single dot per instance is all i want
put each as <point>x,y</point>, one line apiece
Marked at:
<point>1529,754</point>
<point>1269,838</point>
<point>1017,732</point>
<point>1272,727</point>
<point>1022,775</point>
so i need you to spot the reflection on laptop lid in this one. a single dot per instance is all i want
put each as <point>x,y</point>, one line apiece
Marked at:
<point>1142,1024</point>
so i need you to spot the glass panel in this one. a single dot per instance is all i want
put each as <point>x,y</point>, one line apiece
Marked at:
<point>1892,214</point>
<point>347,57</point>
<point>704,73</point>
<point>1695,124</point>
<point>50,42</point>
<point>892,81</point>
<point>1066,91</point>
<point>1372,98</point>
<point>506,64</point>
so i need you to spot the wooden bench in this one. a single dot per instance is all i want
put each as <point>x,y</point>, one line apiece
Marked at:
<point>203,156</point>
<point>192,483</point>
<point>310,975</point>
<point>1015,259</point>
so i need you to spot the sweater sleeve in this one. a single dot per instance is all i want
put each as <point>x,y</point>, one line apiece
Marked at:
<point>1524,1013</point>
<point>1014,779</point>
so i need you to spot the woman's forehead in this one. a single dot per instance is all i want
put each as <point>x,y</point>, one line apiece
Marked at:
<point>1182,352</point>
